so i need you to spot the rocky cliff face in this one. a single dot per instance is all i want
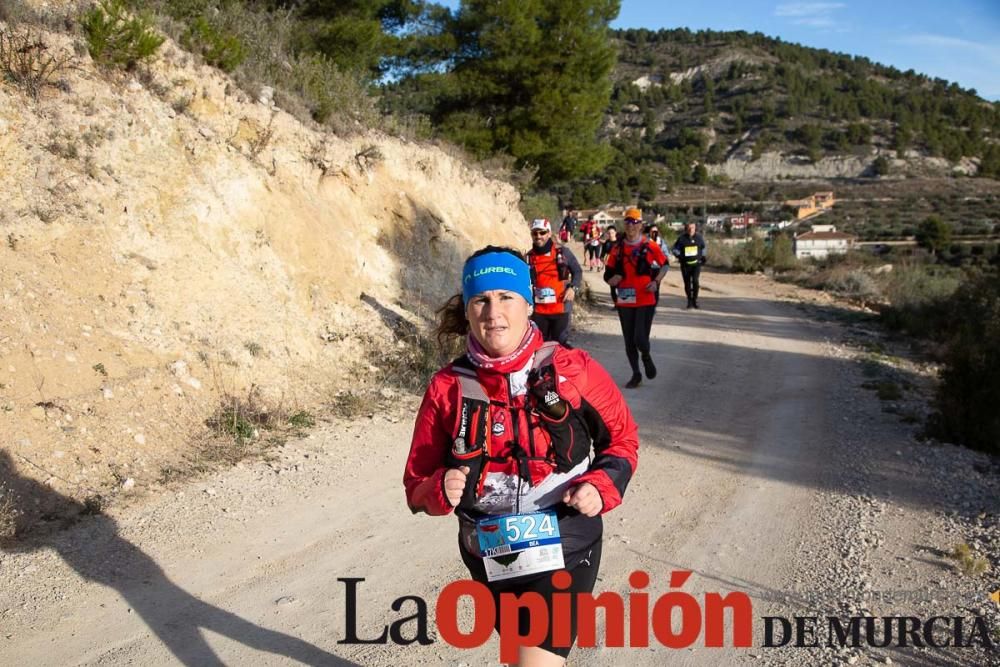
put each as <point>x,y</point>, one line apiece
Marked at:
<point>164,240</point>
<point>775,165</point>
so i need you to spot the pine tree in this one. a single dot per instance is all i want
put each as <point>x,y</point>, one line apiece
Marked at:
<point>534,81</point>
<point>933,234</point>
<point>356,35</point>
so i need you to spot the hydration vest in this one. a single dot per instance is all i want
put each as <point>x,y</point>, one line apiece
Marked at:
<point>471,440</point>
<point>643,267</point>
<point>549,289</point>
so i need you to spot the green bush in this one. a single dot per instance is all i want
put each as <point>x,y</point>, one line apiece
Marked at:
<point>880,167</point>
<point>918,296</point>
<point>854,284</point>
<point>330,94</point>
<point>933,234</point>
<point>782,254</point>
<point>302,419</point>
<point>218,48</point>
<point>970,380</point>
<point>116,39</point>
<point>541,205</point>
<point>752,256</point>
<point>306,85</point>
<point>721,255</point>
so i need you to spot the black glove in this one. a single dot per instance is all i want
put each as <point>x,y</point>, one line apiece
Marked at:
<point>702,259</point>
<point>570,438</point>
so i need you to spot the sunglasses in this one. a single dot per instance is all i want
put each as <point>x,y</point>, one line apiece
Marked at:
<point>539,233</point>
<point>632,221</point>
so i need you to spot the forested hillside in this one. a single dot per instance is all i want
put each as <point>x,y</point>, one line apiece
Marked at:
<point>684,101</point>
<point>547,90</point>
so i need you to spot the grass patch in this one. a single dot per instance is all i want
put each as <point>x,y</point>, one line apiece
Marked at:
<point>181,104</point>
<point>348,404</point>
<point>238,426</point>
<point>854,284</point>
<point>886,390</point>
<point>968,562</point>
<point>8,514</point>
<point>255,349</point>
<point>241,427</point>
<point>409,364</point>
<point>302,419</point>
<point>64,147</point>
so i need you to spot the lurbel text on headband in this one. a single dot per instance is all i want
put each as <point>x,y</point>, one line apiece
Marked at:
<point>493,271</point>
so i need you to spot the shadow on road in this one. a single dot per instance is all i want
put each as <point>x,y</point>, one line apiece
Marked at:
<point>728,398</point>
<point>178,618</point>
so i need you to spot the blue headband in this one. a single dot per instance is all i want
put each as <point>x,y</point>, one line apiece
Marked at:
<point>495,270</point>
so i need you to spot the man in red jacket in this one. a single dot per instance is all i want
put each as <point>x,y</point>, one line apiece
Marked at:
<point>555,278</point>
<point>635,268</point>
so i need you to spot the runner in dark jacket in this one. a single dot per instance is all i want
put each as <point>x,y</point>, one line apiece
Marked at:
<point>690,252</point>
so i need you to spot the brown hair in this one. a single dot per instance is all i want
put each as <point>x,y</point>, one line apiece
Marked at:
<point>451,316</point>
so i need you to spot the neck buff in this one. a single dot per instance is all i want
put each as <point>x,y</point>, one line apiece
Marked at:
<point>514,361</point>
<point>495,270</point>
<point>544,250</point>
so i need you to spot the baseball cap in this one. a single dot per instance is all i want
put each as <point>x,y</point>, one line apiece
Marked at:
<point>541,223</point>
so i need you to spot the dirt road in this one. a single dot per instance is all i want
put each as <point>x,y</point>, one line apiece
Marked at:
<point>764,468</point>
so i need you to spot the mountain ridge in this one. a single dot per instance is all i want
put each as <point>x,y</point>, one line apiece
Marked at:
<point>691,106</point>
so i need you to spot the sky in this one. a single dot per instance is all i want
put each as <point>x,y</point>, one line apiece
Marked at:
<point>956,40</point>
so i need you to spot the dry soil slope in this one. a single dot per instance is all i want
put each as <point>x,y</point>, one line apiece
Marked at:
<point>153,259</point>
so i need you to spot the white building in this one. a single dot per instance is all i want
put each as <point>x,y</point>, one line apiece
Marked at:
<point>606,217</point>
<point>823,240</point>
<point>714,223</point>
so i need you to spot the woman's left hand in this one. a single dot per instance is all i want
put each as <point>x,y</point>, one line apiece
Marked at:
<point>584,499</point>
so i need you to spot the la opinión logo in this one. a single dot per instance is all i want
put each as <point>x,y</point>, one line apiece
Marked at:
<point>629,619</point>
<point>633,616</point>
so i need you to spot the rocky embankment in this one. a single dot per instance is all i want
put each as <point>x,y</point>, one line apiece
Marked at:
<point>168,241</point>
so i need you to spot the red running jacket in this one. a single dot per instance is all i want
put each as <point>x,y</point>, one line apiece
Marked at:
<point>626,260</point>
<point>582,382</point>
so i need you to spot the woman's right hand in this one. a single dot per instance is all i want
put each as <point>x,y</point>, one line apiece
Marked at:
<point>454,484</point>
<point>614,280</point>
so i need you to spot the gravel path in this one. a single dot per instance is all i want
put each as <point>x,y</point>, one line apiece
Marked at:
<point>765,468</point>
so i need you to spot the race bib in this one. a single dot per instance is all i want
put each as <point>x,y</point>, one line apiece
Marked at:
<point>545,295</point>
<point>514,545</point>
<point>690,251</point>
<point>626,295</point>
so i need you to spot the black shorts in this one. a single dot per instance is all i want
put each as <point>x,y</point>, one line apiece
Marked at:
<point>583,567</point>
